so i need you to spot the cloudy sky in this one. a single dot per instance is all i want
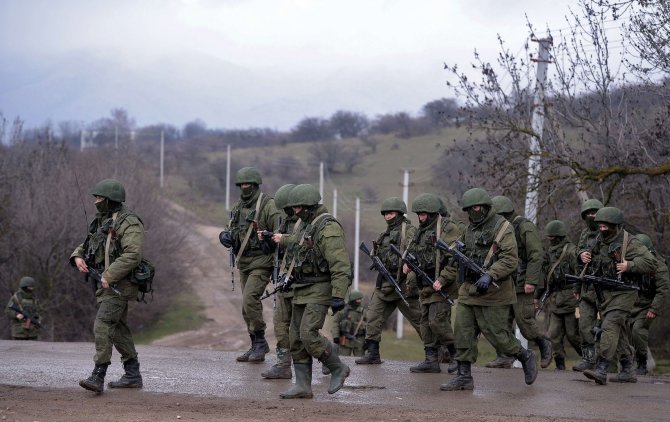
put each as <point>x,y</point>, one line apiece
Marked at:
<point>245,63</point>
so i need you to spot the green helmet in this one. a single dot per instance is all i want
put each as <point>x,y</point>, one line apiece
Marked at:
<point>611,215</point>
<point>426,202</point>
<point>475,196</point>
<point>111,189</point>
<point>555,228</point>
<point>646,240</point>
<point>591,205</point>
<point>355,295</point>
<point>303,196</point>
<point>281,196</point>
<point>502,204</point>
<point>248,175</point>
<point>394,204</point>
<point>27,282</point>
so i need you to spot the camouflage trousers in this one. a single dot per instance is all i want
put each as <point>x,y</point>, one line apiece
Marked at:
<point>639,325</point>
<point>436,324</point>
<point>615,337</point>
<point>491,321</point>
<point>111,329</point>
<point>281,320</point>
<point>253,286</point>
<point>353,348</point>
<point>523,312</point>
<point>561,327</point>
<point>588,318</point>
<point>379,311</point>
<point>306,341</point>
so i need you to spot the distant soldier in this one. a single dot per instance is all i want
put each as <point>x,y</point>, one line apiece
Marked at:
<point>652,299</point>
<point>585,294</point>
<point>348,327</point>
<point>483,308</point>
<point>399,232</point>
<point>23,311</point>
<point>561,259</point>
<point>321,273</point>
<point>113,247</point>
<point>254,212</point>
<point>527,278</point>
<point>623,257</point>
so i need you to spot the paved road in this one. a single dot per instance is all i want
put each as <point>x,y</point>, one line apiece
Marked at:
<point>197,372</point>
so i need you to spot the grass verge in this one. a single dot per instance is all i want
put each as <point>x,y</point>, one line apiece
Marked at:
<point>184,315</point>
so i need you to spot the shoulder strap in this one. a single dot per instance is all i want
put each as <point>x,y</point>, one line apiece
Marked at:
<point>403,233</point>
<point>558,261</point>
<point>438,232</point>
<point>109,241</point>
<point>17,301</point>
<point>251,226</point>
<point>499,235</point>
<point>282,267</point>
<point>624,247</point>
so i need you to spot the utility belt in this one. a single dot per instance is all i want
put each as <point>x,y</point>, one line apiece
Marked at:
<point>304,279</point>
<point>253,253</point>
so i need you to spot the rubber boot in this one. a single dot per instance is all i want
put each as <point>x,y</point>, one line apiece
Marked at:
<point>588,359</point>
<point>599,374</point>
<point>560,363</point>
<point>641,365</point>
<point>501,361</point>
<point>259,348</point>
<point>132,378</point>
<point>453,364</point>
<point>245,356</point>
<point>463,379</point>
<point>545,351</point>
<point>338,370</point>
<point>627,373</point>
<point>325,370</point>
<point>527,359</point>
<point>430,365</point>
<point>371,357</point>
<point>96,382</point>
<point>282,369</point>
<point>302,389</point>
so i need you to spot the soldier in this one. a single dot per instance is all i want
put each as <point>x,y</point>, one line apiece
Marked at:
<point>619,256</point>
<point>527,277</point>
<point>284,300</point>
<point>23,311</point>
<point>649,305</point>
<point>483,308</point>
<point>436,330</point>
<point>113,247</point>
<point>321,273</point>
<point>561,259</point>
<point>385,299</point>
<point>585,294</point>
<point>348,327</point>
<point>254,212</point>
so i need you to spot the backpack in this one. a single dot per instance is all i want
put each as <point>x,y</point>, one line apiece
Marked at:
<point>143,276</point>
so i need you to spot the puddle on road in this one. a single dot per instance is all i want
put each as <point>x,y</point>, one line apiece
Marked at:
<point>364,387</point>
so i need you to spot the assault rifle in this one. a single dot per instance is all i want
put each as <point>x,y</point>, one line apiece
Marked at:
<point>413,264</point>
<point>551,289</point>
<point>463,261</point>
<point>282,285</point>
<point>600,282</point>
<point>96,277</point>
<point>26,316</point>
<point>378,265</point>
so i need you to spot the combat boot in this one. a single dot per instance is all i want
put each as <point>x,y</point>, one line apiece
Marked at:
<point>599,374</point>
<point>627,374</point>
<point>303,383</point>
<point>527,359</point>
<point>453,364</point>
<point>96,382</point>
<point>587,362</point>
<point>282,369</point>
<point>132,377</point>
<point>463,379</point>
<point>430,365</point>
<point>259,348</point>
<point>641,365</point>
<point>501,361</point>
<point>371,357</point>
<point>560,363</point>
<point>245,356</point>
<point>338,370</point>
<point>545,351</point>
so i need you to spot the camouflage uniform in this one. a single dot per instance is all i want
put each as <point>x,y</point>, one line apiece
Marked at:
<point>125,253</point>
<point>483,308</point>
<point>25,300</point>
<point>348,328</point>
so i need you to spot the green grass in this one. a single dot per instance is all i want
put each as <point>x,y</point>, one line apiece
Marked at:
<point>183,315</point>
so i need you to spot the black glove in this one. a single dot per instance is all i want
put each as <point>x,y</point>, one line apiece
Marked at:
<point>336,304</point>
<point>226,239</point>
<point>336,340</point>
<point>483,283</point>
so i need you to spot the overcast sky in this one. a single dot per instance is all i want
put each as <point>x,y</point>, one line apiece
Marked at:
<point>243,63</point>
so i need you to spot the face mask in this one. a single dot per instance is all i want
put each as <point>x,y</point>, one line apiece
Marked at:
<point>303,214</point>
<point>591,223</point>
<point>393,221</point>
<point>555,241</point>
<point>476,216</point>
<point>609,233</point>
<point>102,206</point>
<point>247,192</point>
<point>289,211</point>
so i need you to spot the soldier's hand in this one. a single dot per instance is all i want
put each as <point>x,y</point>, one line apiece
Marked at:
<point>577,295</point>
<point>19,316</point>
<point>622,267</point>
<point>104,283</point>
<point>437,286</point>
<point>276,237</point>
<point>585,257</point>
<point>81,264</point>
<point>405,269</point>
<point>336,304</point>
<point>483,283</point>
<point>226,239</point>
<point>651,314</point>
<point>528,288</point>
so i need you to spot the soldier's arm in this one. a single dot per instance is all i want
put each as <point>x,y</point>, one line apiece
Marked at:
<point>131,235</point>
<point>335,324</point>
<point>508,256</point>
<point>79,252</point>
<point>640,259</point>
<point>268,219</point>
<point>662,287</point>
<point>534,254</point>
<point>334,250</point>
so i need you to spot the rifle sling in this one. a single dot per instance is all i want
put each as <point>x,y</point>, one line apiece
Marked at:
<point>403,232</point>
<point>553,267</point>
<point>251,227</point>
<point>438,232</point>
<point>109,240</point>
<point>499,235</point>
<point>282,267</point>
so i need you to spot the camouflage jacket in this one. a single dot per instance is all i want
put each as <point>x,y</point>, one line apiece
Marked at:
<point>26,301</point>
<point>393,236</point>
<point>530,253</point>
<point>350,324</point>
<point>563,299</point>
